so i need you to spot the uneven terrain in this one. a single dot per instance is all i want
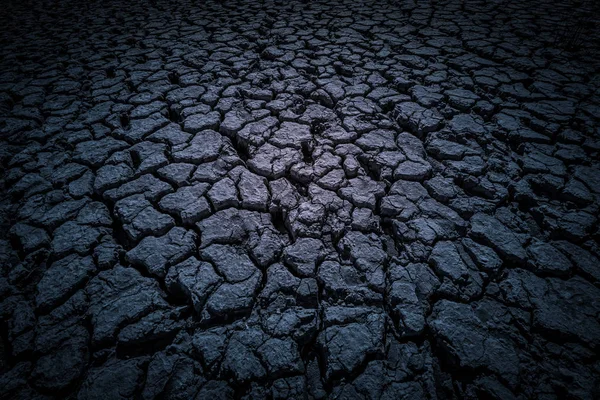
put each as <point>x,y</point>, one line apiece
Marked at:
<point>299,200</point>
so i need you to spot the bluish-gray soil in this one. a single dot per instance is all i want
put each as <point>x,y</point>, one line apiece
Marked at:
<point>299,200</point>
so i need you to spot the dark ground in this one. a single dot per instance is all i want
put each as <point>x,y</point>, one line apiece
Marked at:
<point>350,200</point>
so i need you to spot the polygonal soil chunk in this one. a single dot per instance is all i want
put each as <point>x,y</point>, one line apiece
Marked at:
<point>157,254</point>
<point>118,297</point>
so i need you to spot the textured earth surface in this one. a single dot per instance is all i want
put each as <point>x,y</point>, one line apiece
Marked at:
<point>299,200</point>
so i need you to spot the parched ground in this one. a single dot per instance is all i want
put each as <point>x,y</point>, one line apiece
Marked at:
<point>299,200</point>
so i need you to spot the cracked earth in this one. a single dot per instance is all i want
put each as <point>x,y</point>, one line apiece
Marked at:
<point>299,200</point>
